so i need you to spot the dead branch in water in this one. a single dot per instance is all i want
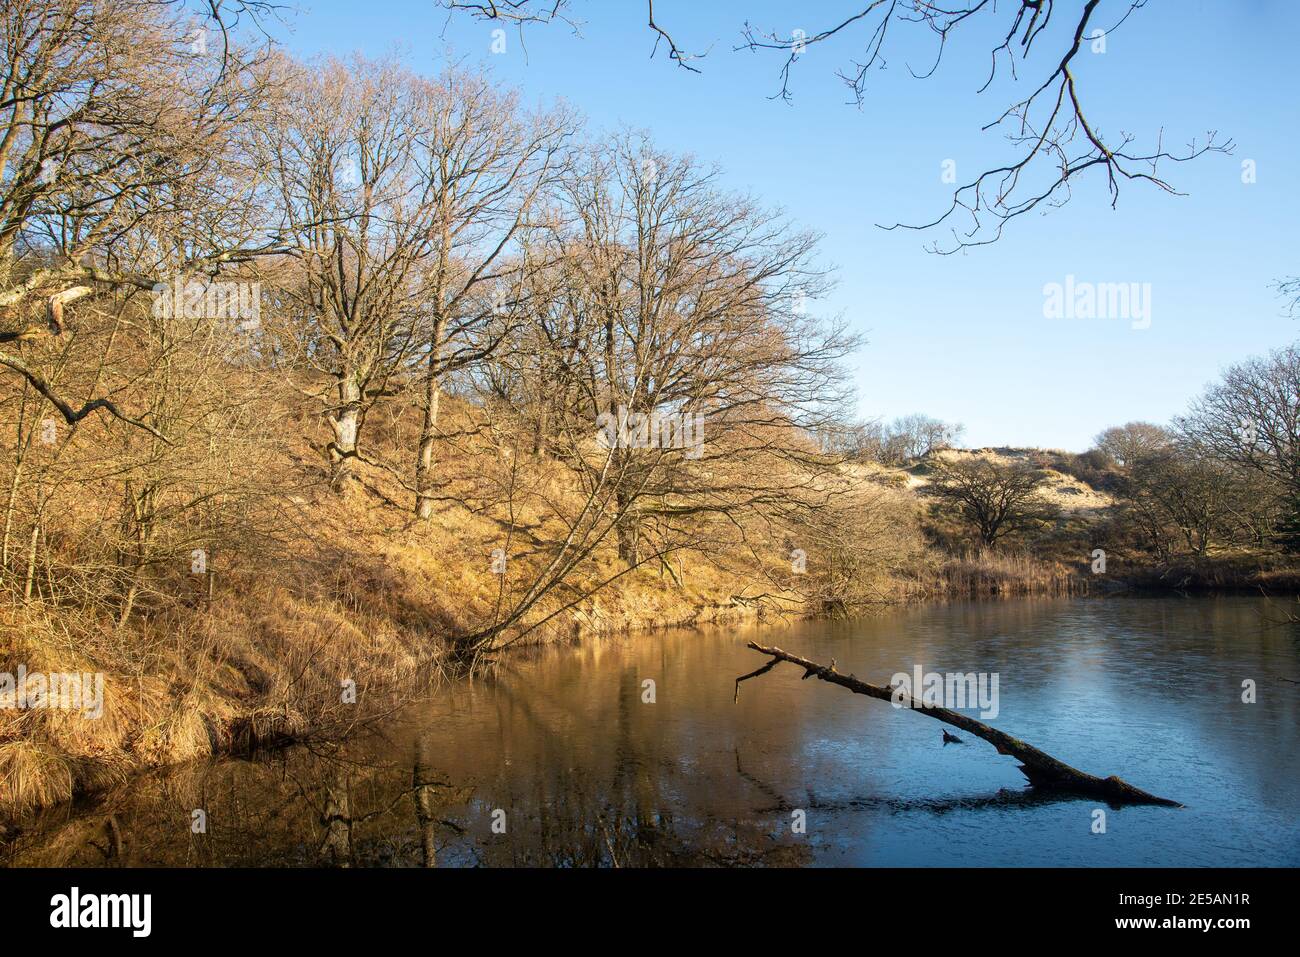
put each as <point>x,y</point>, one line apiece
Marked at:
<point>1042,770</point>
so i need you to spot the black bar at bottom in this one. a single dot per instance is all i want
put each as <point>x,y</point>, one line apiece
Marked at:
<point>298,906</point>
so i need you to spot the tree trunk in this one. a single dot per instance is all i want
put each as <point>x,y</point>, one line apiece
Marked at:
<point>540,424</point>
<point>20,460</point>
<point>429,428</point>
<point>628,530</point>
<point>1042,770</point>
<point>31,561</point>
<point>10,508</point>
<point>345,425</point>
<point>128,604</point>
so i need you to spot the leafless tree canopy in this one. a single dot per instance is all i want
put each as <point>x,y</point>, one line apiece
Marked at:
<point>232,281</point>
<point>995,499</point>
<point>1128,444</point>
<point>893,443</point>
<point>1249,422</point>
<point>1222,476</point>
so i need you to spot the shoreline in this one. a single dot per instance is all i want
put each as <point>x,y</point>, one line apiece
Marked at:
<point>248,728</point>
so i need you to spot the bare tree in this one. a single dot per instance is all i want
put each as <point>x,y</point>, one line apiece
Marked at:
<point>696,310</point>
<point>893,443</point>
<point>914,436</point>
<point>487,163</point>
<point>1128,444</point>
<point>674,326</point>
<point>994,498</point>
<point>125,179</point>
<point>350,158</point>
<point>1172,492</point>
<point>103,137</point>
<point>1251,419</point>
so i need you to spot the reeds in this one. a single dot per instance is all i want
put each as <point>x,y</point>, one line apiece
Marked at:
<point>994,574</point>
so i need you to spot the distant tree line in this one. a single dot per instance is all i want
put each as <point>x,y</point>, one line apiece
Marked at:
<point>1225,474</point>
<point>895,442</point>
<point>1223,477</point>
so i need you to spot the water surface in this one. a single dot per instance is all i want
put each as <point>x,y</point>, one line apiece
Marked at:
<point>562,750</point>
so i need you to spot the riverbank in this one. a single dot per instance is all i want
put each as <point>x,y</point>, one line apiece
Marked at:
<point>311,651</point>
<point>1016,575</point>
<point>266,668</point>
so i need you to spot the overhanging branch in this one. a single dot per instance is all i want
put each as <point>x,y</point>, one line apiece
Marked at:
<point>1042,770</point>
<point>71,415</point>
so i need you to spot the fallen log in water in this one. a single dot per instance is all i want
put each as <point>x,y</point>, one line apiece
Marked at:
<point>1042,770</point>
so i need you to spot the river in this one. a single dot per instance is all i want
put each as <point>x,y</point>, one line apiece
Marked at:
<point>561,758</point>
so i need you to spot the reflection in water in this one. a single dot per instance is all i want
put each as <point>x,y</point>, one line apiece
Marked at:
<point>559,760</point>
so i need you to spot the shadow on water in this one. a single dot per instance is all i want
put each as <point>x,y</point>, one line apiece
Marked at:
<point>1003,799</point>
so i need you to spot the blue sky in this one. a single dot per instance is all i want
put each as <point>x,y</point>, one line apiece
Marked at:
<point>960,337</point>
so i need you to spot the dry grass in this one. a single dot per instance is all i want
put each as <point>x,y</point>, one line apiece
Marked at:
<point>992,574</point>
<point>264,667</point>
<point>35,774</point>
